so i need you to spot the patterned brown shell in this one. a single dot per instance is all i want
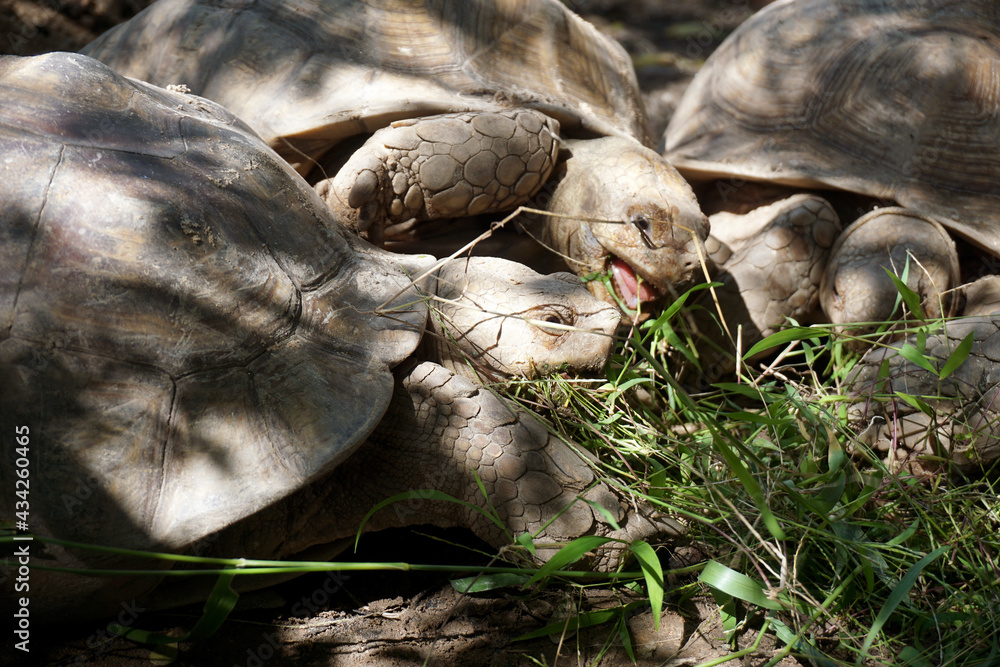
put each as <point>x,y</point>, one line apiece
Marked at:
<point>307,73</point>
<point>895,100</point>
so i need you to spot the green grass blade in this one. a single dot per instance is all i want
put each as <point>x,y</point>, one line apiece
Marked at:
<point>572,624</point>
<point>220,603</point>
<point>958,356</point>
<point>626,639</point>
<point>911,657</point>
<point>738,585</point>
<point>783,337</point>
<point>728,614</point>
<point>488,582</point>
<point>604,512</point>
<point>898,594</point>
<point>653,574</point>
<point>872,483</point>
<point>916,402</point>
<point>910,298</point>
<point>751,486</point>
<point>570,553</point>
<point>528,542</point>
<point>678,303</point>
<point>915,356</point>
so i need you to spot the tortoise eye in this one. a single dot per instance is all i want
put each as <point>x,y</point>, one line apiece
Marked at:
<point>642,223</point>
<point>644,226</point>
<point>551,315</point>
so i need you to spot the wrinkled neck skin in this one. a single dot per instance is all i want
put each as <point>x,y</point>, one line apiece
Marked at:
<point>453,351</point>
<point>655,223</point>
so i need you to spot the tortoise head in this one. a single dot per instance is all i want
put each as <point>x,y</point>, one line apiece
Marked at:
<point>622,210</point>
<point>504,317</point>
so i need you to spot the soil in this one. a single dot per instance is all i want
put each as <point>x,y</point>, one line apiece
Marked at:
<point>400,618</point>
<point>29,27</point>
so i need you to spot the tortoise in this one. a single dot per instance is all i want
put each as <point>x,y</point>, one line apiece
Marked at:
<point>881,100</point>
<point>199,357</point>
<point>401,110</point>
<point>867,101</point>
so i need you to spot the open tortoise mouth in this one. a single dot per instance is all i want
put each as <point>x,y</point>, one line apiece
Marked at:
<point>630,288</point>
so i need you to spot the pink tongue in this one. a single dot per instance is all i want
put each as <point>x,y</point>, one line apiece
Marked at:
<point>628,284</point>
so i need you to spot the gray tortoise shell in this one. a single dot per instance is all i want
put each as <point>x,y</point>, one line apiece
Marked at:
<point>183,328</point>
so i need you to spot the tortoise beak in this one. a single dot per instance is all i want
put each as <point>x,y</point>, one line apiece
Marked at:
<point>630,287</point>
<point>654,253</point>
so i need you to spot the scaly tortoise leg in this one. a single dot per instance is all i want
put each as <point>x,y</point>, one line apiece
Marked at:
<point>443,166</point>
<point>769,263</point>
<point>962,433</point>
<point>439,429</point>
<point>773,258</point>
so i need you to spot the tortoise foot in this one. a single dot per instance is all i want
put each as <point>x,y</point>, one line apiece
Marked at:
<point>855,286</point>
<point>770,261</point>
<point>962,432</point>
<point>774,256</point>
<point>444,166</point>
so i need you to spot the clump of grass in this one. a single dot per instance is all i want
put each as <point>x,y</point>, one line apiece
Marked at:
<point>807,533</point>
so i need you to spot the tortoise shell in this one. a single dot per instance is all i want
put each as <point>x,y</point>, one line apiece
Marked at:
<point>308,73</point>
<point>895,100</point>
<point>184,330</point>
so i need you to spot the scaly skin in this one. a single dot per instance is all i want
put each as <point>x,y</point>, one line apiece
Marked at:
<point>773,258</point>
<point>442,167</point>
<point>965,428</point>
<point>440,429</point>
<point>769,262</point>
<point>856,288</point>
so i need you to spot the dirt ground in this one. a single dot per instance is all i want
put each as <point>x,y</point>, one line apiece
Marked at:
<point>404,618</point>
<point>437,627</point>
<point>401,619</point>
